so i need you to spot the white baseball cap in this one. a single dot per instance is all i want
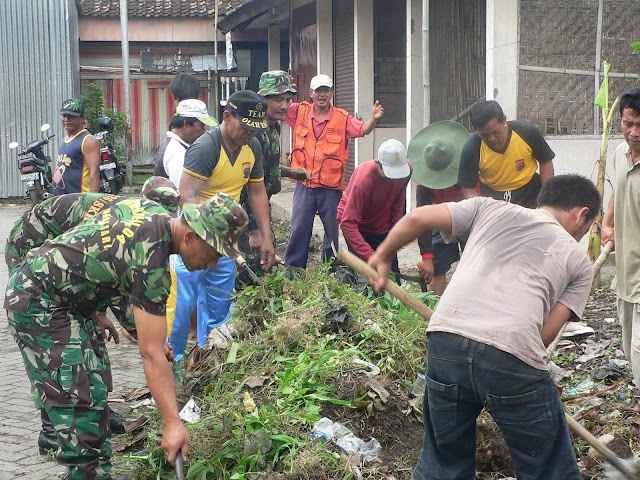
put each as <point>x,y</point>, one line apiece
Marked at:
<point>321,81</point>
<point>393,157</point>
<point>195,108</point>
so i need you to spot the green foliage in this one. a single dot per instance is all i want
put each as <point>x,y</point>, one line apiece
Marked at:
<point>94,109</point>
<point>290,367</point>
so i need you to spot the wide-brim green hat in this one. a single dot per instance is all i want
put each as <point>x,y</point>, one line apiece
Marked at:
<point>435,154</point>
<point>219,221</point>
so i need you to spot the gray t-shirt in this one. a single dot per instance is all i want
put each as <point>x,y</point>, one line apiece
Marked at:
<point>517,264</point>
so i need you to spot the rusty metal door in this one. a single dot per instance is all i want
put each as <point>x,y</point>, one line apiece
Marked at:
<point>304,43</point>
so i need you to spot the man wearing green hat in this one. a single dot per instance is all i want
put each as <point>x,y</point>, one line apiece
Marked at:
<point>504,156</point>
<point>276,86</point>
<point>224,159</point>
<point>435,153</point>
<point>52,298</point>
<point>55,216</point>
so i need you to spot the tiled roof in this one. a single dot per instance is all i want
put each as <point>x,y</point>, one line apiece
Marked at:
<point>158,8</point>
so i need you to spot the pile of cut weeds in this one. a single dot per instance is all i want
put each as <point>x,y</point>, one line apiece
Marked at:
<point>289,366</point>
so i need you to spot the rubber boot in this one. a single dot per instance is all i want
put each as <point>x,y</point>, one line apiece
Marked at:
<point>47,440</point>
<point>116,422</point>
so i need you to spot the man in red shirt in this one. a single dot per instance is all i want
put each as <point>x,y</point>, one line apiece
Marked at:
<point>374,200</point>
<point>435,152</point>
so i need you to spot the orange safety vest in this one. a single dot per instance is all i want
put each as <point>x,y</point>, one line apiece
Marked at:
<point>325,157</point>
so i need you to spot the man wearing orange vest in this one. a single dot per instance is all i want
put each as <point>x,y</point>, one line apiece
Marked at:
<point>321,134</point>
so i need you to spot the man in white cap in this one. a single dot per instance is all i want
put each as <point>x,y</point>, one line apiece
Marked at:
<point>321,134</point>
<point>435,154</point>
<point>374,200</point>
<point>187,125</point>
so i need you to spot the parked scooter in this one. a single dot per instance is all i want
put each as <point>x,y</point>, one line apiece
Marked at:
<point>111,176</point>
<point>35,170</point>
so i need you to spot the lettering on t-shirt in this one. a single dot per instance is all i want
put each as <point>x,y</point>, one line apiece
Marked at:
<point>98,205</point>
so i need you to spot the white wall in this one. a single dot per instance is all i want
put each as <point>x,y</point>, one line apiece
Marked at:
<point>502,44</point>
<point>324,25</point>
<point>364,68</point>
<point>579,154</point>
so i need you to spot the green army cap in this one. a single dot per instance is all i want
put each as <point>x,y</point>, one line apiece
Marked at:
<point>275,82</point>
<point>219,221</point>
<point>163,191</point>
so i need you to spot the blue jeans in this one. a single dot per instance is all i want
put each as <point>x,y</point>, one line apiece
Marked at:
<point>212,291</point>
<point>306,202</point>
<point>462,377</point>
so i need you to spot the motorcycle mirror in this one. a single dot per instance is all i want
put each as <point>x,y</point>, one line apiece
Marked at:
<point>45,127</point>
<point>13,145</point>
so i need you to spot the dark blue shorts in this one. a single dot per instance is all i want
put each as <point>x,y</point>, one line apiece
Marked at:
<point>444,254</point>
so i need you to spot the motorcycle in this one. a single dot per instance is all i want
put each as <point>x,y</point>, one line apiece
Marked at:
<point>35,170</point>
<point>111,176</point>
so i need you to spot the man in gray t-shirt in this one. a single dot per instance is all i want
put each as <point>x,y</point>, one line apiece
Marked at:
<point>521,277</point>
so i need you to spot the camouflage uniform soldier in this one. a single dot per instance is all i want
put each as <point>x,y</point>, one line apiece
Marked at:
<point>49,219</point>
<point>52,217</point>
<point>276,86</point>
<point>51,300</point>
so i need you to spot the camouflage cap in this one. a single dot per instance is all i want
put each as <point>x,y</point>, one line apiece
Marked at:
<point>276,82</point>
<point>219,221</point>
<point>161,190</point>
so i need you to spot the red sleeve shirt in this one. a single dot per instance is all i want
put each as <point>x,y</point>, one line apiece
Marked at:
<point>371,204</point>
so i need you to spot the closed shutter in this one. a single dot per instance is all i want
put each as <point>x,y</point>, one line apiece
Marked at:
<point>344,65</point>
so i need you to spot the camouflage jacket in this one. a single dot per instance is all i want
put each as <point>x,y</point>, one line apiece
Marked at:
<point>122,251</point>
<point>270,143</point>
<point>49,219</point>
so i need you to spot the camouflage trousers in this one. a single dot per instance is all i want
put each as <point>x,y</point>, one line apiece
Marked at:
<point>69,371</point>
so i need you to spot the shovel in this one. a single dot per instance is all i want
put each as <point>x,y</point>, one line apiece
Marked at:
<point>179,466</point>
<point>242,263</point>
<point>393,288</point>
<point>628,470</point>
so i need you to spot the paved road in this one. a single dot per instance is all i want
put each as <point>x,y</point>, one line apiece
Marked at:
<point>19,420</point>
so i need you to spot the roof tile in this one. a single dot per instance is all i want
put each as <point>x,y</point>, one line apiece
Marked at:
<point>158,8</point>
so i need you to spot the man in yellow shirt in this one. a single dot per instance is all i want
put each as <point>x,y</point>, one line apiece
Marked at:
<point>223,160</point>
<point>505,157</point>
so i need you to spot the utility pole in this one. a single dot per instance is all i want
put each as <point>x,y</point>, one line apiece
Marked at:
<point>126,81</point>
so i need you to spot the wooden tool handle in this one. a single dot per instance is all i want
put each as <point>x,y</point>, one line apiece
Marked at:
<point>606,250</point>
<point>608,455</point>
<point>360,266</point>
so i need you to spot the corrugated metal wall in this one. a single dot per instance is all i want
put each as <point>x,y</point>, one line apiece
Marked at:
<point>344,65</point>
<point>39,68</point>
<point>151,100</point>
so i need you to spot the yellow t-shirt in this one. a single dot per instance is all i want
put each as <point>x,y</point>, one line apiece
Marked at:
<point>209,160</point>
